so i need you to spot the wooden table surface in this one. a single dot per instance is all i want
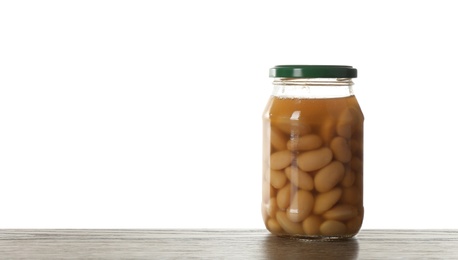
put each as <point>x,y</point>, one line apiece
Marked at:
<point>222,244</point>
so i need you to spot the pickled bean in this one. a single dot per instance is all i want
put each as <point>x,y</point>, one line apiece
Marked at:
<point>287,126</point>
<point>333,228</point>
<point>301,206</point>
<point>273,226</point>
<point>284,196</point>
<point>341,149</point>
<point>280,160</point>
<point>354,224</point>
<point>325,201</point>
<point>278,139</point>
<point>341,212</point>
<point>299,178</point>
<point>356,145</point>
<point>304,143</point>
<point>352,195</point>
<point>311,225</point>
<point>315,159</point>
<point>287,225</point>
<point>356,164</point>
<point>349,121</point>
<point>277,179</point>
<point>349,178</point>
<point>345,123</point>
<point>328,130</point>
<point>329,176</point>
<point>272,207</point>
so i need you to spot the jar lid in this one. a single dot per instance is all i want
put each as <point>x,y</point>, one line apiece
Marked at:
<point>312,71</point>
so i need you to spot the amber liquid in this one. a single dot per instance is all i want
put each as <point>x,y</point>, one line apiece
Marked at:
<point>336,211</point>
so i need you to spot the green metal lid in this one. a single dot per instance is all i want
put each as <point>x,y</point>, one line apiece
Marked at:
<point>312,71</point>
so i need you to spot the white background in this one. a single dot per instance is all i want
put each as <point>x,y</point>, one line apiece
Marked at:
<point>147,114</point>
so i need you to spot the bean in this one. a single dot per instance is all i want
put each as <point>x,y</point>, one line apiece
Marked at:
<point>341,212</point>
<point>311,225</point>
<point>328,177</point>
<point>328,130</point>
<point>341,149</point>
<point>349,178</point>
<point>277,179</point>
<point>273,226</point>
<point>289,127</point>
<point>344,124</point>
<point>315,159</point>
<point>272,207</point>
<point>287,225</point>
<point>349,121</point>
<point>325,201</point>
<point>354,225</point>
<point>278,139</point>
<point>359,181</point>
<point>284,197</point>
<point>356,145</point>
<point>356,164</point>
<point>301,206</point>
<point>357,142</point>
<point>358,117</point>
<point>299,178</point>
<point>280,160</point>
<point>304,143</point>
<point>352,195</point>
<point>333,228</point>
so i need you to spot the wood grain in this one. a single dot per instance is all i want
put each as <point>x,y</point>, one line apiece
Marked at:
<point>222,244</point>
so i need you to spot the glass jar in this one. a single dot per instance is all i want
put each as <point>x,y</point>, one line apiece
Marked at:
<point>313,153</point>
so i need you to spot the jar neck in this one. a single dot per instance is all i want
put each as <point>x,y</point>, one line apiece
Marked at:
<point>312,87</point>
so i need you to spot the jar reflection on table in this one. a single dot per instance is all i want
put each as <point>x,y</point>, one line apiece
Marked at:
<point>313,155</point>
<point>276,248</point>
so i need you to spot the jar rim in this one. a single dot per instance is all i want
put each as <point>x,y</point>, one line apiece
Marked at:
<point>313,71</point>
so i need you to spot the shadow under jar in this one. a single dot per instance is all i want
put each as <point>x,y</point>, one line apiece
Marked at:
<point>313,153</point>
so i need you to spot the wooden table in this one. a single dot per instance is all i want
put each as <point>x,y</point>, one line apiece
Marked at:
<point>222,244</point>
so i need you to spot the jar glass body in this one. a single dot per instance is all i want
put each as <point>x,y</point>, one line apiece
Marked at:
<point>313,159</point>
